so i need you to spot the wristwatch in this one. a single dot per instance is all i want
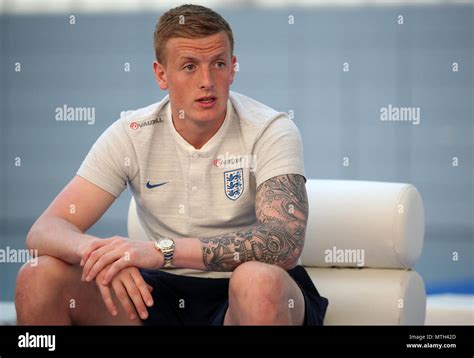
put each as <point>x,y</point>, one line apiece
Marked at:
<point>166,247</point>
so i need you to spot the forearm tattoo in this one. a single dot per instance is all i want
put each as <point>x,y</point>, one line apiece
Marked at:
<point>277,238</point>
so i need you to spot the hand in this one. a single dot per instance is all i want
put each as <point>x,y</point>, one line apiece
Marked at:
<point>119,253</point>
<point>131,290</point>
<point>93,243</point>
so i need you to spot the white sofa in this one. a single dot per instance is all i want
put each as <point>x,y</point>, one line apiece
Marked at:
<point>362,240</point>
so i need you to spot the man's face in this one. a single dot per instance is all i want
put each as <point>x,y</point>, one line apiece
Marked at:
<point>198,74</point>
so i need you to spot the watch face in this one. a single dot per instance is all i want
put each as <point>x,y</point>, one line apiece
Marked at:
<point>166,243</point>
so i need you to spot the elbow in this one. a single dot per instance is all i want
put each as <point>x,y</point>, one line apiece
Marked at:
<point>295,251</point>
<point>291,241</point>
<point>29,242</point>
<point>292,258</point>
<point>291,263</point>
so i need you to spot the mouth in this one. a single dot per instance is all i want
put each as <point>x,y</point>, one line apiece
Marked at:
<point>207,100</point>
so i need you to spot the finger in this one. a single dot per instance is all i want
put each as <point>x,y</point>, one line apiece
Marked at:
<point>106,259</point>
<point>124,299</point>
<point>135,294</point>
<point>143,287</point>
<point>150,288</point>
<point>92,247</point>
<point>114,269</point>
<point>88,260</point>
<point>94,257</point>
<point>107,297</point>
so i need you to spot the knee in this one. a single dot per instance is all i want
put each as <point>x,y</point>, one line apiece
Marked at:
<point>258,290</point>
<point>43,270</point>
<point>34,279</point>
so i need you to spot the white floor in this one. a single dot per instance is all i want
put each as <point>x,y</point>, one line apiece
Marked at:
<point>7,313</point>
<point>450,309</point>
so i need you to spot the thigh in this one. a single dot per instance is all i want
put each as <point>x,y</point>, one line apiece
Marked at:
<point>315,304</point>
<point>86,306</point>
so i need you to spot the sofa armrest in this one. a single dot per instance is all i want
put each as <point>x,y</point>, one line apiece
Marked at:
<point>385,220</point>
<point>371,296</point>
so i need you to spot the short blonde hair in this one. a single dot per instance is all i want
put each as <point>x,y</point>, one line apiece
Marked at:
<point>188,21</point>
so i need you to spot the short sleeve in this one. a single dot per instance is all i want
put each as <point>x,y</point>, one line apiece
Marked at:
<point>110,160</point>
<point>279,150</point>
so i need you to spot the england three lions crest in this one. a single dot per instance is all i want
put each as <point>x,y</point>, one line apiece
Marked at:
<point>234,183</point>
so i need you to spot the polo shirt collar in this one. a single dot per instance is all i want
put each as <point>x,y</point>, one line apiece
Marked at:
<point>212,144</point>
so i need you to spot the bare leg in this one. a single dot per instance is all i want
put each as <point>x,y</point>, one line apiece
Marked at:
<point>263,294</point>
<point>52,293</point>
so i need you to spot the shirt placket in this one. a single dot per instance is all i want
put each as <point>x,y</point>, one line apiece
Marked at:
<point>195,185</point>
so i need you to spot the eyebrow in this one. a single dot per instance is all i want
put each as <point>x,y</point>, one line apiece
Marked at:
<point>190,58</point>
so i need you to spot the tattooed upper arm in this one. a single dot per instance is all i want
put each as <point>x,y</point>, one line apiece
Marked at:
<point>282,208</point>
<point>282,211</point>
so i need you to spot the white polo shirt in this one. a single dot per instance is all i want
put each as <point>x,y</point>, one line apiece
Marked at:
<point>181,191</point>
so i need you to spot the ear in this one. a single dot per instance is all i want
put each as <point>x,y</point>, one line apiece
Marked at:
<point>160,75</point>
<point>234,65</point>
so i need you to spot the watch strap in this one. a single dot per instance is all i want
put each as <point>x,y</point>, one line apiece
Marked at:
<point>168,253</point>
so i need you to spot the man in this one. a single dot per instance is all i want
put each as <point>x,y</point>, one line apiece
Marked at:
<point>219,184</point>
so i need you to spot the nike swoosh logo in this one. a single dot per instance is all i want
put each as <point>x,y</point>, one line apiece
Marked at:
<point>151,186</point>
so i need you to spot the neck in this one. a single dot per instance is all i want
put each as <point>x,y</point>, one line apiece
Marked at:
<point>196,133</point>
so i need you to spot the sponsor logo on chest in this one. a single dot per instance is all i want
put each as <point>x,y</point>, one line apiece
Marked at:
<point>136,126</point>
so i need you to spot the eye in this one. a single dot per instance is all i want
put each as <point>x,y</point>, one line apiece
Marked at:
<point>189,67</point>
<point>220,64</point>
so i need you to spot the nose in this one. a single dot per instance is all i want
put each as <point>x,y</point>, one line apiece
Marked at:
<point>206,81</point>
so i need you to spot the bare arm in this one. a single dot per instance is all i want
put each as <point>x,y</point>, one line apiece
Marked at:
<point>59,231</point>
<point>277,238</point>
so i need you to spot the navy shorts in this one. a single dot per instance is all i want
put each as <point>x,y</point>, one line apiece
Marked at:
<point>186,301</point>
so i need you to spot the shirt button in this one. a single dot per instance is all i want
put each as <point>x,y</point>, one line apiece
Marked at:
<point>194,188</point>
<point>195,155</point>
